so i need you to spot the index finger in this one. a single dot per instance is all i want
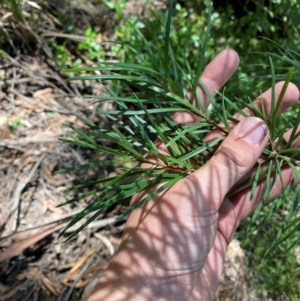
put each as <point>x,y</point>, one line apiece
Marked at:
<point>214,76</point>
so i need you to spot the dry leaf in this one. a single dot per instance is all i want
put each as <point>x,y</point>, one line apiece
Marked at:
<point>80,262</point>
<point>18,247</point>
<point>12,292</point>
<point>50,285</point>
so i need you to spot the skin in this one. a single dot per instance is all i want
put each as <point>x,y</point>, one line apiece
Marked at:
<point>174,246</point>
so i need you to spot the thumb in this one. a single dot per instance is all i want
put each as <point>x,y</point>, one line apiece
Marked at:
<point>233,159</point>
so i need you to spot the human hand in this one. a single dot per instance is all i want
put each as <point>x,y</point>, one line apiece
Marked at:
<point>174,246</point>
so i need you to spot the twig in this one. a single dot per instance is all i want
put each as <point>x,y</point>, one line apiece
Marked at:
<point>12,184</point>
<point>12,143</point>
<point>78,157</point>
<point>95,224</point>
<point>22,80</point>
<point>8,37</point>
<point>36,151</point>
<point>73,37</point>
<point>27,99</point>
<point>14,77</point>
<point>14,203</point>
<point>29,72</point>
<point>38,78</point>
<point>108,244</point>
<point>19,246</point>
<point>88,262</point>
<point>12,291</point>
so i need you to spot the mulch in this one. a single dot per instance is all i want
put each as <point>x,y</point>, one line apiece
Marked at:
<point>36,103</point>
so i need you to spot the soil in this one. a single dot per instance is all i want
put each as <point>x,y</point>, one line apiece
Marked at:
<point>36,103</point>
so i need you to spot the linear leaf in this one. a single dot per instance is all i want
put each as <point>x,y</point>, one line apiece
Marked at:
<point>167,36</point>
<point>94,165</point>
<point>283,90</point>
<point>153,194</point>
<point>255,181</point>
<point>127,78</point>
<point>201,149</point>
<point>202,53</point>
<point>111,66</point>
<point>284,225</point>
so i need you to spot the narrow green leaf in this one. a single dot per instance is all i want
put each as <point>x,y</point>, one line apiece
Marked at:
<point>280,138</point>
<point>255,181</point>
<point>81,197</point>
<point>234,106</point>
<point>145,137</point>
<point>153,194</point>
<point>283,90</point>
<point>95,147</point>
<point>142,112</point>
<point>160,133</point>
<point>126,143</point>
<point>89,183</point>
<point>83,134</point>
<point>118,66</point>
<point>117,138</point>
<point>293,227</point>
<point>189,129</point>
<point>182,102</point>
<point>270,181</point>
<point>273,104</point>
<point>16,10</point>
<point>294,134</point>
<point>284,225</point>
<point>167,37</point>
<point>225,119</point>
<point>127,78</point>
<point>108,201</point>
<point>175,72</point>
<point>148,46</point>
<point>254,109</point>
<point>79,143</point>
<point>201,149</point>
<point>89,220</point>
<point>202,53</point>
<point>295,150</point>
<point>217,107</point>
<point>94,164</point>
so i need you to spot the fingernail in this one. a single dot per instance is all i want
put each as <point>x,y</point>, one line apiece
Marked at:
<point>253,130</point>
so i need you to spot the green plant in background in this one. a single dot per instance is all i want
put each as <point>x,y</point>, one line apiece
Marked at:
<point>15,7</point>
<point>156,88</point>
<point>93,48</point>
<point>62,56</point>
<point>277,273</point>
<point>13,124</point>
<point>118,6</point>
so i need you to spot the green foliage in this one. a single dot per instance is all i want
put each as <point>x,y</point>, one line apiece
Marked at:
<point>156,87</point>
<point>62,56</point>
<point>148,88</point>
<point>278,272</point>
<point>118,6</point>
<point>93,48</point>
<point>251,34</point>
<point>13,124</point>
<point>22,23</point>
<point>89,46</point>
<point>15,7</point>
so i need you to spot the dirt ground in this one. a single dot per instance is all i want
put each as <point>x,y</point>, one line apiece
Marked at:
<point>35,105</point>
